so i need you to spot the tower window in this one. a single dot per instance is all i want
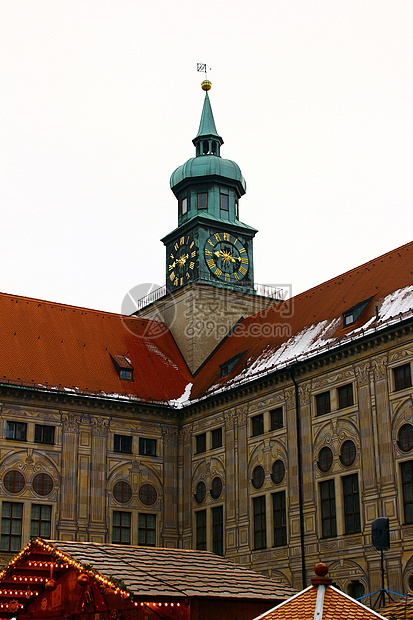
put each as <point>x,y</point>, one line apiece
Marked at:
<point>237,209</point>
<point>202,200</point>
<point>224,202</point>
<point>184,206</point>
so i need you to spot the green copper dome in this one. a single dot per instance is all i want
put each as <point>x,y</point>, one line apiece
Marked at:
<point>209,166</point>
<point>208,163</point>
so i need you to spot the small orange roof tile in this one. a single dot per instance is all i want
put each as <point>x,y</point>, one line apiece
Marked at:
<point>336,606</point>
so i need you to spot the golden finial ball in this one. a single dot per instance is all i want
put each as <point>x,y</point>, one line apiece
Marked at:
<point>321,569</point>
<point>206,85</point>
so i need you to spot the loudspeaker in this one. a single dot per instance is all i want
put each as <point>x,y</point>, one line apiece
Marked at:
<point>380,533</point>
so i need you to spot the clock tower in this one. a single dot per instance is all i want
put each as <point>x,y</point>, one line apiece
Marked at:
<point>210,245</point>
<point>209,258</point>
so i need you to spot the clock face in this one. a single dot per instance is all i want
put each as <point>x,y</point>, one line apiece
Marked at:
<point>226,257</point>
<point>182,261</point>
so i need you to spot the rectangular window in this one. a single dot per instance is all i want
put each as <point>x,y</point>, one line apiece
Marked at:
<point>41,521</point>
<point>184,206</point>
<point>277,418</point>
<point>146,530</point>
<point>201,533</point>
<point>224,202</point>
<point>216,438</point>
<point>260,531</point>
<point>257,425</point>
<point>236,210</point>
<point>122,443</point>
<point>328,509</point>
<point>200,441</point>
<point>147,447</point>
<point>16,430</point>
<point>43,434</point>
<point>402,377</point>
<point>125,374</point>
<point>351,498</point>
<point>121,527</point>
<point>345,396</point>
<point>11,526</point>
<point>202,201</point>
<point>280,519</point>
<point>218,530</point>
<point>323,404</point>
<point>407,486</point>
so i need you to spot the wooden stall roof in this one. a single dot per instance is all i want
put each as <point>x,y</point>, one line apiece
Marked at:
<point>150,573</point>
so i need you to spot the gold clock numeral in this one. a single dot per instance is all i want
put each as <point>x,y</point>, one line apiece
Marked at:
<point>187,275</point>
<point>176,282</point>
<point>226,236</point>
<point>244,260</point>
<point>172,276</point>
<point>211,263</point>
<point>171,256</point>
<point>242,250</point>
<point>191,265</point>
<point>210,243</point>
<point>235,240</point>
<point>236,276</point>
<point>227,277</point>
<point>181,240</point>
<point>218,272</point>
<point>217,237</point>
<point>192,245</point>
<point>182,281</point>
<point>208,253</point>
<point>170,267</point>
<point>176,246</point>
<point>242,270</point>
<point>193,254</point>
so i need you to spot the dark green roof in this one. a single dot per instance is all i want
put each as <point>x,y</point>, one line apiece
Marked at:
<point>208,165</point>
<point>207,124</point>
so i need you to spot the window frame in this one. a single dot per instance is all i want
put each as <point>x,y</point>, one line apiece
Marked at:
<point>279,514</point>
<point>323,403</point>
<point>328,508</point>
<point>199,199</point>
<point>11,519</point>
<point>277,418</point>
<point>405,380</point>
<point>222,197</point>
<point>11,430</point>
<point>345,395</point>
<point>257,425</point>
<point>200,443</point>
<point>147,446</point>
<point>39,434</point>
<point>216,438</point>
<point>145,530</point>
<point>259,522</point>
<point>43,519</point>
<point>407,490</point>
<point>122,527</point>
<point>352,518</point>
<point>121,440</point>
<point>201,530</point>
<point>218,530</point>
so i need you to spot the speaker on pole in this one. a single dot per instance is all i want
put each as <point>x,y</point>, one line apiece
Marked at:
<point>380,534</point>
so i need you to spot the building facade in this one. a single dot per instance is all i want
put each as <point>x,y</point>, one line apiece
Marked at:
<point>270,432</point>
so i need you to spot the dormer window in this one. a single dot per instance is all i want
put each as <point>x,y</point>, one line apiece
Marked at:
<point>351,315</point>
<point>227,366</point>
<point>224,202</point>
<point>123,367</point>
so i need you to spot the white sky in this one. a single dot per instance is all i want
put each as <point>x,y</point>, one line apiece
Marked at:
<point>100,100</point>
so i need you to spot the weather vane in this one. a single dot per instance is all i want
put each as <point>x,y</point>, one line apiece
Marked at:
<point>201,66</point>
<point>206,84</point>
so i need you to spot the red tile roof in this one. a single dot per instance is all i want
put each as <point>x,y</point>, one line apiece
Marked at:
<point>313,321</point>
<point>48,345</point>
<point>53,346</point>
<point>336,606</point>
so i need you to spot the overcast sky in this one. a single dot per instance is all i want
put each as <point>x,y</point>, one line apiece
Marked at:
<point>100,100</point>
